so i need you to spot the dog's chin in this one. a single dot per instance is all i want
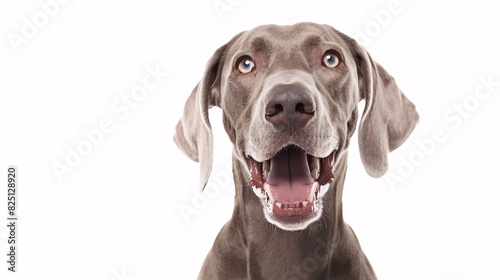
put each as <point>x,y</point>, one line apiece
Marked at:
<point>291,185</point>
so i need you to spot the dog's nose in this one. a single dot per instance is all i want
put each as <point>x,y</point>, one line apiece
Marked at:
<point>289,106</point>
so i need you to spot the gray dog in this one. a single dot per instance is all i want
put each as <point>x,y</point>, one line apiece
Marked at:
<point>289,97</point>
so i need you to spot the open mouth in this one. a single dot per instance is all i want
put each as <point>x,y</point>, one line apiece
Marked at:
<point>290,185</point>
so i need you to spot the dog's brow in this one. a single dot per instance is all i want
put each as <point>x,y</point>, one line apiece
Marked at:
<point>259,44</point>
<point>312,41</point>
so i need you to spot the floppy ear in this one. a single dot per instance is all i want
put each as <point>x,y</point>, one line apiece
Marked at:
<point>388,117</point>
<point>193,133</point>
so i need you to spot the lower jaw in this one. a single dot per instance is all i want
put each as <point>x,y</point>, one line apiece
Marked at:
<point>296,219</point>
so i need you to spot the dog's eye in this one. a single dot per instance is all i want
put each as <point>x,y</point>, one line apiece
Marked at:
<point>246,65</point>
<point>331,59</point>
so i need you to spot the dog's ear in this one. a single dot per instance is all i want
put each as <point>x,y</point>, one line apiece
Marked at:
<point>388,117</point>
<point>193,133</point>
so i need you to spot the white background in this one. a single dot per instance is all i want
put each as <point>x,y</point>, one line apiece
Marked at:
<point>116,215</point>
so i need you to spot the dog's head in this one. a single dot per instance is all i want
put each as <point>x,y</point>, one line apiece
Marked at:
<point>289,98</point>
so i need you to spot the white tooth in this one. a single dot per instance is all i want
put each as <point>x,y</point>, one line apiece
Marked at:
<point>278,204</point>
<point>313,191</point>
<point>259,192</point>
<point>314,167</point>
<point>265,169</point>
<point>267,187</point>
<point>304,203</point>
<point>323,189</point>
<point>315,173</point>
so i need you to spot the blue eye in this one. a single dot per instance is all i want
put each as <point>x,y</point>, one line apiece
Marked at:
<point>331,59</point>
<point>246,65</point>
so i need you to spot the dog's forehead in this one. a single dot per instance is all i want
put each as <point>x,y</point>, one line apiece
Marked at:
<point>287,32</point>
<point>285,37</point>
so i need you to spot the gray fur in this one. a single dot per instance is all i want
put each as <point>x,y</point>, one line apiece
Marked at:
<point>248,247</point>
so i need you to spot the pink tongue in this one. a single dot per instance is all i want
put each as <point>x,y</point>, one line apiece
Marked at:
<point>289,179</point>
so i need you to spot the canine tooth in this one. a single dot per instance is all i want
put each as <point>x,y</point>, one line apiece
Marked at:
<point>304,203</point>
<point>265,169</point>
<point>278,204</point>
<point>315,173</point>
<point>314,167</point>
<point>323,189</point>
<point>313,191</point>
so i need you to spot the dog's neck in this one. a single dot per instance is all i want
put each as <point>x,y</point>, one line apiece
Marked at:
<point>315,250</point>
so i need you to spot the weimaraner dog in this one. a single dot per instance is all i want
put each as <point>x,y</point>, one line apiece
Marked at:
<point>289,97</point>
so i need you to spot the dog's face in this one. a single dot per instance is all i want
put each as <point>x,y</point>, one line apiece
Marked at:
<point>289,97</point>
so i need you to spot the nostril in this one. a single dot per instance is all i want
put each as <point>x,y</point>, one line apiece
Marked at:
<point>299,108</point>
<point>274,110</point>
<point>304,109</point>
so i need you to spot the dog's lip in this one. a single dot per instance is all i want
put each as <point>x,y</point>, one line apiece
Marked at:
<point>270,154</point>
